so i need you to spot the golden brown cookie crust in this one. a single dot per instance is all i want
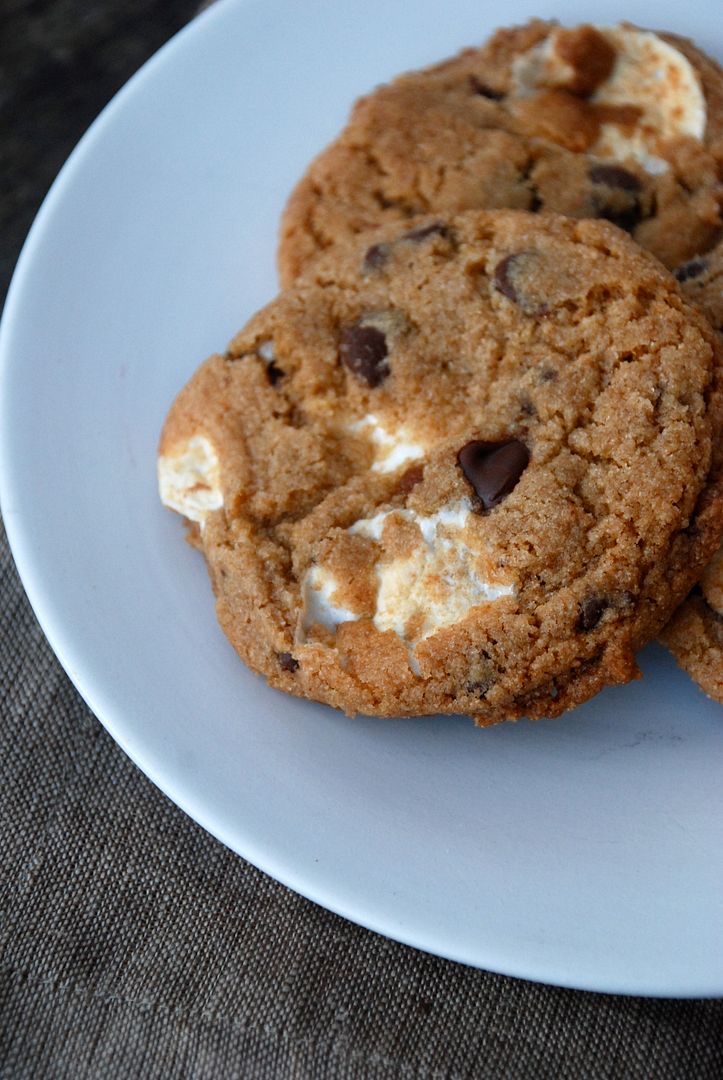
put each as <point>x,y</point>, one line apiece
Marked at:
<point>695,633</point>
<point>449,138</point>
<point>505,328</point>
<point>695,637</point>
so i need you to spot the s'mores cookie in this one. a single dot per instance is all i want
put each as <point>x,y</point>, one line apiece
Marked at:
<point>611,122</point>
<point>464,465</point>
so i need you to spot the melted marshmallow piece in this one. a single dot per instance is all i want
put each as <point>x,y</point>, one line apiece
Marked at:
<point>317,590</point>
<point>438,584</point>
<point>266,351</point>
<point>391,450</point>
<point>648,74</point>
<point>712,582</point>
<point>435,586</point>
<point>189,479</point>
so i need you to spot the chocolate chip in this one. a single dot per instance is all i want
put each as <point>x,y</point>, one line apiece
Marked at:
<point>692,269</point>
<point>376,257</point>
<point>535,202</point>
<point>274,373</point>
<point>615,177</point>
<point>363,349</point>
<point>437,229</point>
<point>624,219</point>
<point>592,609</point>
<point>478,87</point>
<point>287,661</point>
<point>410,478</point>
<point>505,281</point>
<point>493,469</point>
<point>626,212</point>
<point>502,278</point>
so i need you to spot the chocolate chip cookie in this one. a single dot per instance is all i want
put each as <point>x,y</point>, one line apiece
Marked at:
<point>695,633</point>
<point>701,279</point>
<point>462,466</point>
<point>602,122</point>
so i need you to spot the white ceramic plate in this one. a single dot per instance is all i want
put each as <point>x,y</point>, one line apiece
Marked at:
<point>587,851</point>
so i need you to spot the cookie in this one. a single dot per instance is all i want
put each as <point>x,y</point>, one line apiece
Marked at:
<point>695,633</point>
<point>461,467</point>
<point>701,280</point>
<point>611,122</point>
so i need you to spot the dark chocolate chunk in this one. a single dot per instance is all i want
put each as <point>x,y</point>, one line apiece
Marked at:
<point>615,177</point>
<point>493,469</point>
<point>478,87</point>
<point>287,661</point>
<point>592,609</point>
<point>692,269</point>
<point>273,372</point>
<point>363,349</point>
<point>506,280</point>
<point>624,219</point>
<point>376,257</point>
<point>437,229</point>
<point>503,278</point>
<point>620,180</point>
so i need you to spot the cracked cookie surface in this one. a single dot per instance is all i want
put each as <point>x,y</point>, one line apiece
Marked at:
<point>610,122</point>
<point>463,466</point>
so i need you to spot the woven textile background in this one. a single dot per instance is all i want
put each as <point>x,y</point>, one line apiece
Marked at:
<point>131,943</point>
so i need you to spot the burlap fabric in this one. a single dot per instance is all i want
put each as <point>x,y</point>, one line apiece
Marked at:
<point>132,944</point>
